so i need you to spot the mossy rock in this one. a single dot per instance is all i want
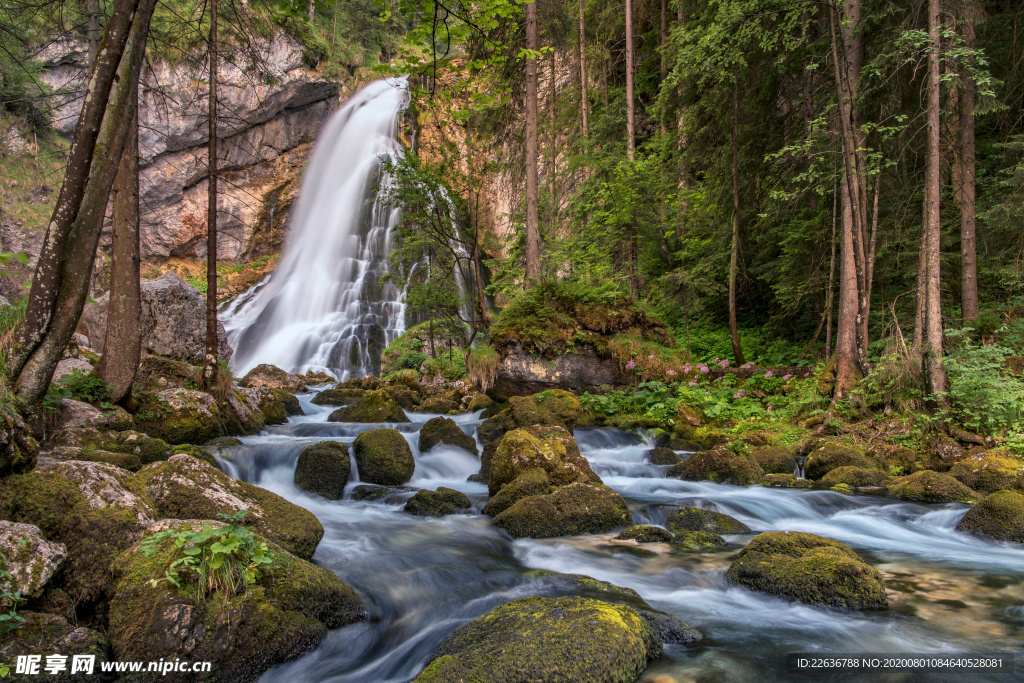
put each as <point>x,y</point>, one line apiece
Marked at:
<point>196,452</point>
<point>277,405</point>
<point>940,453</point>
<point>548,408</point>
<point>663,456</point>
<point>223,442</point>
<point>96,510</point>
<point>404,396</point>
<point>479,402</point>
<point>147,448</point>
<point>126,461</point>
<point>719,465</point>
<point>563,640</point>
<point>188,488</point>
<point>443,430</point>
<point>339,396</point>
<point>808,568</point>
<point>443,501</point>
<point>999,515</point>
<point>324,468</point>
<point>284,614</point>
<point>855,476</point>
<point>532,482</point>
<point>579,508</point>
<point>774,459</point>
<point>180,416</point>
<point>375,406</point>
<point>49,634</point>
<point>696,540</point>
<point>645,533</point>
<point>788,481</point>
<point>828,456</point>
<point>383,457</point>
<point>551,449</point>
<point>486,456</point>
<point>930,487</point>
<point>988,471</point>
<point>18,450</point>
<point>272,377</point>
<point>896,459</point>
<point>442,404</point>
<point>371,492</point>
<point>697,519</point>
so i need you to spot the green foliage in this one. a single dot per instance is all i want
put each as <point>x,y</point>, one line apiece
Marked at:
<point>411,360</point>
<point>85,387</point>
<point>983,395</point>
<point>9,600</point>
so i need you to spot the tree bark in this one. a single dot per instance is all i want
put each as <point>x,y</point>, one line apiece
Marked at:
<point>734,253</point>
<point>553,142</point>
<point>584,104</point>
<point>848,370</point>
<point>94,29</point>
<point>311,11</point>
<point>965,194</point>
<point>122,345</point>
<point>630,107</point>
<point>78,251</point>
<point>532,220</point>
<point>664,38</point>
<point>934,372</point>
<point>829,294</point>
<point>209,369</point>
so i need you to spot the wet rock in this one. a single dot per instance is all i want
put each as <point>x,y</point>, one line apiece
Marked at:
<point>698,519</point>
<point>930,487</point>
<point>551,449</point>
<point>787,481</point>
<point>323,468</point>
<point>29,558</point>
<point>223,442</point>
<point>549,408</point>
<point>375,406</point>
<point>18,450</point>
<point>49,634</point>
<point>696,540</point>
<point>384,457</point>
<point>443,430</point>
<point>272,377</point>
<point>312,379</point>
<point>187,488</point>
<point>670,629</point>
<point>532,482</point>
<point>999,515</point>
<point>774,459</point>
<point>276,405</point>
<point>828,456</point>
<point>645,533</point>
<point>808,568</point>
<point>338,396</point>
<point>370,492</point>
<point>941,452</point>
<point>443,501</point>
<point>564,639</point>
<point>719,465</point>
<point>988,471</point>
<point>443,404</point>
<point>578,508</point>
<point>855,476</point>
<point>180,416</point>
<point>663,456</point>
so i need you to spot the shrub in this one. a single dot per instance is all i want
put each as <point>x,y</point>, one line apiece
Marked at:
<point>482,366</point>
<point>410,360</point>
<point>983,396</point>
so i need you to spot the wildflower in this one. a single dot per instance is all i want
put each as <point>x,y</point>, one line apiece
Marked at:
<point>650,357</point>
<point>723,364</point>
<point>807,374</point>
<point>694,382</point>
<point>769,407</point>
<point>770,373</point>
<point>787,376</point>
<point>703,368</point>
<point>687,368</point>
<point>671,373</point>
<point>631,364</point>
<point>740,394</point>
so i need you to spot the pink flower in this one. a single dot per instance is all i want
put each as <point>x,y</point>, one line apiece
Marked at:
<point>671,373</point>
<point>739,394</point>
<point>694,382</point>
<point>723,364</point>
<point>769,407</point>
<point>807,374</point>
<point>687,368</point>
<point>786,376</point>
<point>650,357</point>
<point>703,368</point>
<point>631,364</point>
<point>770,373</point>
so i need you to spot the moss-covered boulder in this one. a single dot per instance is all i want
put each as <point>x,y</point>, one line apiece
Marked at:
<point>645,533</point>
<point>696,540</point>
<point>383,457</point>
<point>895,459</point>
<point>404,396</point>
<point>284,614</point>
<point>697,519</point>
<point>578,508</point>
<point>147,448</point>
<point>373,492</point>
<point>272,377</point>
<point>443,404</point>
<point>180,416</point>
<point>375,406</point>
<point>999,515</point>
<point>323,468</point>
<point>125,461</point>
<point>341,395</point>
<point>223,442</point>
<point>48,634</point>
<point>551,449</point>
<point>563,640</point>
<point>549,408</point>
<point>27,560</point>
<point>930,487</point>
<point>187,488</point>
<point>479,402</point>
<point>719,465</point>
<point>788,481</point>
<point>855,477</point>
<point>828,456</point>
<point>941,452</point>
<point>988,471</point>
<point>443,501</point>
<point>18,450</point>
<point>532,482</point>
<point>444,430</point>
<point>774,459</point>
<point>195,451</point>
<point>276,405</point>
<point>95,510</point>
<point>808,568</point>
<point>663,456</point>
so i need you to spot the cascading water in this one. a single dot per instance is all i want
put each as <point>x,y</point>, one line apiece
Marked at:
<point>324,308</point>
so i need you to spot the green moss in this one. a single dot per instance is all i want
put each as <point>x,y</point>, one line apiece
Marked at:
<point>125,461</point>
<point>930,487</point>
<point>191,423</point>
<point>549,408</point>
<point>696,540</point>
<point>855,477</point>
<point>989,471</point>
<point>568,639</point>
<point>443,430</point>
<point>698,519</point>
<point>999,515</point>
<point>384,457</point>
<point>808,568</point>
<point>829,456</point>
<point>324,468</point>
<point>645,533</point>
<point>663,456</point>
<point>339,396</point>
<point>787,481</point>
<point>571,510</point>
<point>551,449</point>
<point>375,406</point>
<point>196,452</point>
<point>532,482</point>
<point>774,459</point>
<point>443,501</point>
<point>47,634</point>
<point>443,404</point>
<point>719,465</point>
<point>147,448</point>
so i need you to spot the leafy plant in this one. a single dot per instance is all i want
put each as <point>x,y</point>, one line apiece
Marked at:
<point>85,387</point>
<point>983,395</point>
<point>9,600</point>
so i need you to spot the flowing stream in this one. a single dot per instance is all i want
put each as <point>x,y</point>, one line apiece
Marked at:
<point>423,577</point>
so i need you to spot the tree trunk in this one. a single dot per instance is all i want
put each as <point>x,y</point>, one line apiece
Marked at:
<point>934,371</point>
<point>630,110</point>
<point>122,345</point>
<point>734,253</point>
<point>584,113</point>
<point>829,294</point>
<point>210,367</point>
<point>553,142</point>
<point>966,191</point>
<point>94,29</point>
<point>664,38</point>
<point>311,11</point>
<point>532,221</point>
<point>848,370</point>
<point>73,271</point>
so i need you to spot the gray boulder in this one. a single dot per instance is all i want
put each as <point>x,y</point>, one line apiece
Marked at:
<point>29,558</point>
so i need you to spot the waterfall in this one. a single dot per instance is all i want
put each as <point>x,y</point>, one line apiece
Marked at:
<point>324,307</point>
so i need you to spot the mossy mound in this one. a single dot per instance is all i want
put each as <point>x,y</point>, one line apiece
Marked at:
<point>698,519</point>
<point>371,492</point>
<point>339,396</point>
<point>855,477</point>
<point>808,568</point>
<point>894,458</point>
<point>564,640</point>
<point>147,448</point>
<point>18,450</point>
<point>443,430</point>
<point>532,482</point>
<point>941,452</point>
<point>719,465</point>
<point>196,452</point>
<point>125,461</point>
<point>696,540</point>
<point>324,468</point>
<point>788,481</point>
<point>272,377</point>
<point>645,533</point>
<point>988,471</point>
<point>375,406</point>
<point>384,457</point>
<point>180,416</point>
<point>999,515</point>
<point>443,404</point>
<point>187,488</point>
<point>774,459</point>
<point>663,456</point>
<point>930,487</point>
<point>275,404</point>
<point>552,408</point>
<point>829,456</point>
<point>479,402</point>
<point>443,501</point>
<point>49,634</point>
<point>572,510</point>
<point>286,613</point>
<point>551,449</point>
<point>404,396</point>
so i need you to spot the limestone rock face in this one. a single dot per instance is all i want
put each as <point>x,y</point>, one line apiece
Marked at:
<point>521,373</point>
<point>30,559</point>
<point>173,320</point>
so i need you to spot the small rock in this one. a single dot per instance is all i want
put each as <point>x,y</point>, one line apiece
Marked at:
<point>442,430</point>
<point>644,533</point>
<point>68,366</point>
<point>443,501</point>
<point>272,377</point>
<point>371,492</point>
<point>663,456</point>
<point>697,519</point>
<point>323,468</point>
<point>29,558</point>
<point>384,457</point>
<point>999,515</point>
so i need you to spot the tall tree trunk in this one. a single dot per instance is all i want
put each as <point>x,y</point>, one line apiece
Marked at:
<point>965,194</point>
<point>74,269</point>
<point>122,344</point>
<point>210,367</point>
<point>931,226</point>
<point>310,11</point>
<point>94,29</point>
<point>829,294</point>
<point>664,38</point>
<point>848,370</point>
<point>532,220</point>
<point>584,104</point>
<point>734,253</point>
<point>553,142</point>
<point>630,107</point>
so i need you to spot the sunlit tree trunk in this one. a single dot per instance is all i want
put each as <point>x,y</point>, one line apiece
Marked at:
<point>930,230</point>
<point>532,220</point>
<point>630,105</point>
